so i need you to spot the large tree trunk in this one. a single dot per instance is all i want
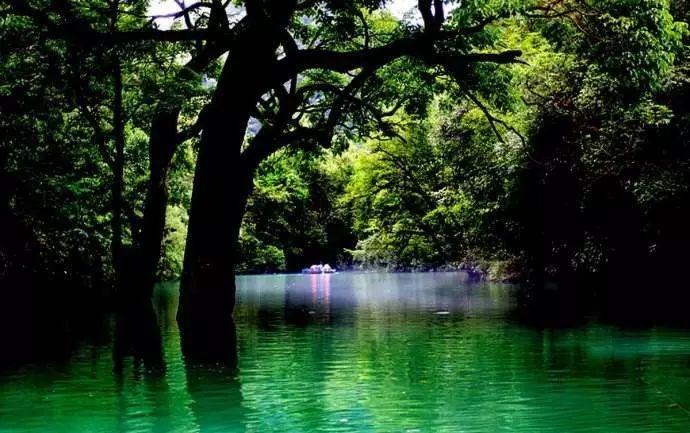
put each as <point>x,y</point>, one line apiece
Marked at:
<point>207,288</point>
<point>218,200</point>
<point>222,183</point>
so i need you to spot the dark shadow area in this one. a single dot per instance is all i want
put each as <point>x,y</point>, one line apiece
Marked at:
<point>138,363</point>
<point>216,396</point>
<point>211,340</point>
<point>138,339</point>
<point>549,307</point>
<point>46,323</point>
<point>211,361</point>
<point>629,299</point>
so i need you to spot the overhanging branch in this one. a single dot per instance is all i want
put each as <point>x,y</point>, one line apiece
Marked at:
<point>376,57</point>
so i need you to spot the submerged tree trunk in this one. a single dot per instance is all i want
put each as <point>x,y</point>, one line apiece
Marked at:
<point>146,254</point>
<point>223,182</point>
<point>221,188</point>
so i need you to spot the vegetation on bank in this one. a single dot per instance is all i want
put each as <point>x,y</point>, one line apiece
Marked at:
<point>567,160</point>
<point>572,166</point>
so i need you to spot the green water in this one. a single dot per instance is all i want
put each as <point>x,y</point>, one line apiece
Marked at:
<point>364,353</point>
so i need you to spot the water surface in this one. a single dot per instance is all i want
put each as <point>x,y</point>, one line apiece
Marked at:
<point>360,353</point>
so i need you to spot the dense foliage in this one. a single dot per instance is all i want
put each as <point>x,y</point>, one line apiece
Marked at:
<point>571,164</point>
<point>74,158</point>
<point>294,217</point>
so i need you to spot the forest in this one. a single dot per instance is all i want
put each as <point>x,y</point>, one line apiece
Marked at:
<point>545,142</point>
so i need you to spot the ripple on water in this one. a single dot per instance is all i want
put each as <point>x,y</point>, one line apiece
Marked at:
<point>368,353</point>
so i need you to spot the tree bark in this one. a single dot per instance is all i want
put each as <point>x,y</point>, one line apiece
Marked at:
<point>223,182</point>
<point>146,254</point>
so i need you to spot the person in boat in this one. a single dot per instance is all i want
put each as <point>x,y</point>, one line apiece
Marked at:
<point>315,269</point>
<point>327,268</point>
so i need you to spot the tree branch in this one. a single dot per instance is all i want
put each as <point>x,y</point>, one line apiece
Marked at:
<point>376,57</point>
<point>493,120</point>
<point>79,31</point>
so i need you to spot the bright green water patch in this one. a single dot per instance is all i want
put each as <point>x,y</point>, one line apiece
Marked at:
<point>365,353</point>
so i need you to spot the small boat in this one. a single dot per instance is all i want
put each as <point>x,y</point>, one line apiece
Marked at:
<point>319,269</point>
<point>311,271</point>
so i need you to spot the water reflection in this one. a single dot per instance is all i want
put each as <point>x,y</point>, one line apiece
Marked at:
<point>138,338</point>
<point>215,397</point>
<point>356,353</point>
<point>307,300</point>
<point>214,342</point>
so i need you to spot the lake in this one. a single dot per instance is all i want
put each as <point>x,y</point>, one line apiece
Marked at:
<point>361,352</point>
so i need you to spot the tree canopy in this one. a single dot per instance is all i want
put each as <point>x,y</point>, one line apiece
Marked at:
<point>544,136</point>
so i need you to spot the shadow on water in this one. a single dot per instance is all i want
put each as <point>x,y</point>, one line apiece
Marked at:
<point>139,368</point>
<point>211,341</point>
<point>189,375</point>
<point>212,375</point>
<point>138,337</point>
<point>47,324</point>
<point>634,301</point>
<point>215,396</point>
<point>549,307</point>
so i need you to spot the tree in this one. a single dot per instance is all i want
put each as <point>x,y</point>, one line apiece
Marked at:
<point>266,48</point>
<point>293,216</point>
<point>90,35</point>
<point>582,203</point>
<point>574,135</point>
<point>433,195</point>
<point>226,164</point>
